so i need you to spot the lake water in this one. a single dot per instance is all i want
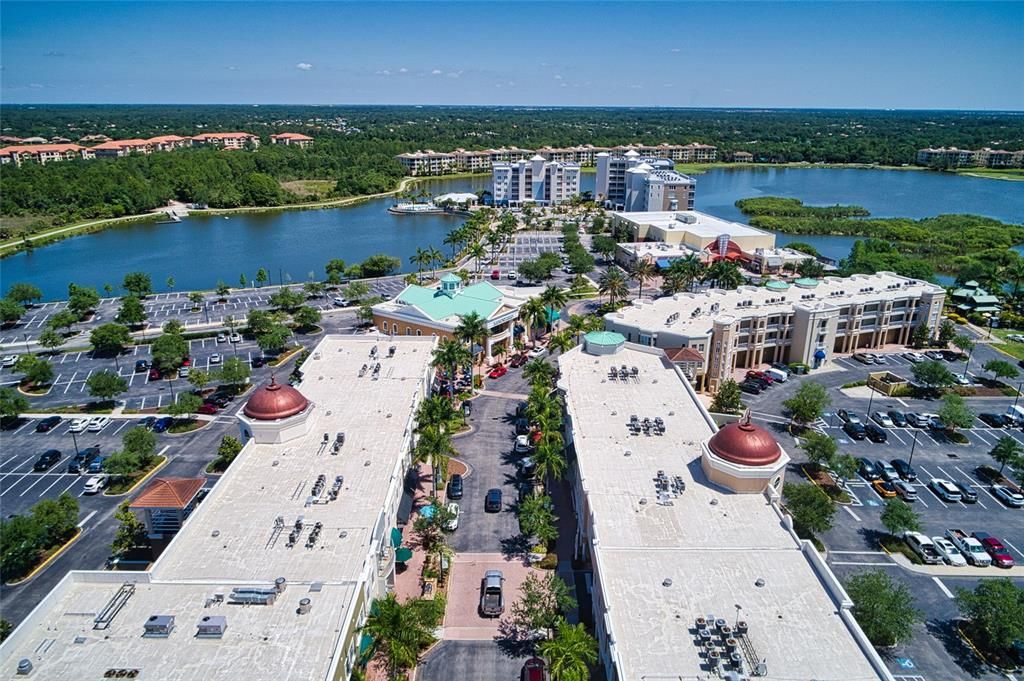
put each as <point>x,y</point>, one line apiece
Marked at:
<point>291,244</point>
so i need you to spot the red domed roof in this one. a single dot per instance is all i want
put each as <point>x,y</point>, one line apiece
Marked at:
<point>746,444</point>
<point>275,401</point>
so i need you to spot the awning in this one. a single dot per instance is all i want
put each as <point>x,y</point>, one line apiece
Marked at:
<point>396,537</point>
<point>663,263</point>
<point>819,354</point>
<point>403,555</point>
<point>365,644</point>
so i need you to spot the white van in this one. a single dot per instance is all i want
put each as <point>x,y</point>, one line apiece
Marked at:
<point>1016,414</point>
<point>777,375</point>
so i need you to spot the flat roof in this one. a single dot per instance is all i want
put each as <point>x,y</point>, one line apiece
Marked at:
<point>697,311</point>
<point>230,541</point>
<point>703,225</point>
<point>712,544</point>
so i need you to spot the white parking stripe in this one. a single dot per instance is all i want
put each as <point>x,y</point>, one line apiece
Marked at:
<point>981,437</point>
<point>76,478</point>
<point>27,424</point>
<point>70,381</point>
<point>896,435</point>
<point>942,587</point>
<point>39,479</point>
<point>124,423</point>
<point>57,478</point>
<point>1019,553</point>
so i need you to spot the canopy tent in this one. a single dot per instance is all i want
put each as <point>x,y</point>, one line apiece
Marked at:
<point>396,537</point>
<point>403,555</point>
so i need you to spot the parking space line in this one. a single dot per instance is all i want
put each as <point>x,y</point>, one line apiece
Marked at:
<point>981,437</point>
<point>942,587</point>
<point>896,435</point>
<point>70,381</point>
<point>27,424</point>
<point>82,389</point>
<point>76,479</point>
<point>124,423</point>
<point>854,515</point>
<point>58,479</point>
<point>39,479</point>
<point>87,519</point>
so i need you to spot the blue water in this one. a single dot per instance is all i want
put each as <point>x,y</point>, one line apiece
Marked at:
<point>293,244</point>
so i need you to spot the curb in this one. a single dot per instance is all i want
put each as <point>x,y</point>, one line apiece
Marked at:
<point>140,481</point>
<point>815,483</point>
<point>981,656</point>
<point>204,423</point>
<point>42,566</point>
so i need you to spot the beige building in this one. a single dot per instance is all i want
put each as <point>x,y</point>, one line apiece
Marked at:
<point>693,229</point>
<point>226,140</point>
<point>694,570</point>
<point>43,153</point>
<point>292,139</point>
<point>808,321</point>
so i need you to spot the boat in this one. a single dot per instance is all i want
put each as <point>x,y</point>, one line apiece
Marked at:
<point>415,209</point>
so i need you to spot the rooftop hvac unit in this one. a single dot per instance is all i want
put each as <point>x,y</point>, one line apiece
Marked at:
<point>212,626</point>
<point>158,626</point>
<point>304,606</point>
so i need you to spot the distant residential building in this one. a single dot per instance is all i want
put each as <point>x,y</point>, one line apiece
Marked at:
<point>680,153</point>
<point>291,138</point>
<point>952,157</point>
<point>43,153</point>
<point>34,140</point>
<point>94,139</point>
<point>226,140</point>
<point>472,161</point>
<point>536,181</point>
<point>427,163</point>
<point>8,139</point>
<point>631,183</point>
<point>742,157</point>
<point>169,142</point>
<point>118,148</point>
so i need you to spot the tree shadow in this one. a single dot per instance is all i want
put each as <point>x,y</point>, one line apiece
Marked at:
<point>514,642</point>
<point>516,546</point>
<point>872,538</point>
<point>946,633</point>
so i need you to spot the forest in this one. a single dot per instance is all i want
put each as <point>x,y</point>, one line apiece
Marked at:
<point>355,146</point>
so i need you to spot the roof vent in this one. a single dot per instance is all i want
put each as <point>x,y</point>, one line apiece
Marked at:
<point>24,667</point>
<point>158,626</point>
<point>759,582</point>
<point>667,582</point>
<point>304,606</point>
<point>212,626</point>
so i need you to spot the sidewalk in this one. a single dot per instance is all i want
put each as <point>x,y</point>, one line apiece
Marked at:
<point>951,571</point>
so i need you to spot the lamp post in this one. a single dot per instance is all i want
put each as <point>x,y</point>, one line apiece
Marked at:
<point>25,336</point>
<point>1017,396</point>
<point>74,439</point>
<point>871,397</point>
<point>913,446</point>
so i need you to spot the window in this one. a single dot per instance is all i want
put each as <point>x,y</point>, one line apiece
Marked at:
<point>418,332</point>
<point>408,331</point>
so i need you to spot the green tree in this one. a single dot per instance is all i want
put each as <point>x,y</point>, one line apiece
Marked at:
<point>605,245</point>
<point>380,265</point>
<point>537,518</point>
<point>955,413</point>
<point>50,339</point>
<point>898,517</point>
<point>132,311</point>
<point>727,399</point>
<point>228,449</point>
<point>434,446</point>
<point>811,509</point>
<point>24,293</point>
<point>20,544</point>
<point>400,632</point>
<point>643,271</point>
<point>122,465</point>
<point>222,288</point>
<point>196,298</point>
<point>243,280</point>
<point>138,284</point>
<point>554,299</point>
<point>64,319</point>
<point>259,322</point>
<point>286,299</point>
<point>808,403</point>
<point>1006,451</point>
<point>186,405</point>
<point>261,277</point>
<point>57,518</point>
<point>542,602</point>
<point>472,330</point>
<point>921,336</point>
<point>306,317</point>
<point>10,311</point>
<point>200,378</point>
<point>883,607</point>
<point>570,653</point>
<point>83,300</point>
<point>1000,368</point>
<point>932,374</point>
<point>234,371</point>
<point>173,327</point>
<point>37,371</point>
<point>335,270</point>
<point>5,629</point>
<point>538,372</point>
<point>365,314</point>
<point>170,283</point>
<point>275,339</point>
<point>140,442</point>
<point>110,339</point>
<point>131,531</point>
<point>821,450</point>
<point>947,332</point>
<point>811,269</point>
<point>581,262</point>
<point>169,351</point>
<point>845,467</point>
<point>613,284</point>
<point>12,403</point>
<point>106,385</point>
<point>995,613</point>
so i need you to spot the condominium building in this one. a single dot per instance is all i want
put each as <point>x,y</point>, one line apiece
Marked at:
<point>742,157</point>
<point>43,153</point>
<point>680,153</point>
<point>696,573</point>
<point>954,158</point>
<point>226,140</point>
<point>272,576</point>
<point>631,182</point>
<point>807,321</point>
<point>536,181</point>
<point>169,142</point>
<point>118,148</point>
<point>472,161</point>
<point>292,139</point>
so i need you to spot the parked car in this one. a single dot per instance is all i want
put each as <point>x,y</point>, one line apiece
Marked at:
<point>988,475</point>
<point>222,338</point>
<point>967,493</point>
<point>1000,555</point>
<point>905,490</point>
<point>751,387</point>
<point>48,424</point>
<point>340,302</point>
<point>154,374</point>
<point>935,423</point>
<point>867,470</point>
<point>492,502</point>
<point>537,351</point>
<point>875,433</point>
<point>96,465</point>
<point>899,419</point>
<point>46,460</point>
<point>522,445</point>
<point>527,467</point>
<point>148,422</point>
<point>235,338</point>
<point>759,382</point>
<point>945,490</point>
<point>1008,496</point>
<point>187,362</point>
<point>95,484</point>
<point>864,357</point>
<point>848,416</point>
<point>918,420</point>
<point>162,424</point>
<point>98,423</point>
<point>495,275</point>
<point>208,408</point>
<point>183,372</point>
<point>949,553</point>
<point>882,419</point>
<point>855,429</point>
<point>78,425</point>
<point>9,361</point>
<point>522,426</point>
<point>779,366</point>
<point>497,371</point>
<point>923,547</point>
<point>996,420</point>
<point>534,670</point>
<point>215,358</point>
<point>141,366</point>
<point>886,470</point>
<point>884,488</point>
<point>905,470</point>
<point>934,355</point>
<point>761,376</point>
<point>961,380</point>
<point>913,357</point>
<point>952,355</point>
<point>512,275</point>
<point>517,361</point>
<point>492,598</point>
<point>258,361</point>
<point>453,517</point>
<point>455,486</point>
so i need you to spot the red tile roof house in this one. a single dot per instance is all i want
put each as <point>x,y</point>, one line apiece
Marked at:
<point>43,153</point>
<point>169,142</point>
<point>288,138</point>
<point>117,148</point>
<point>226,140</point>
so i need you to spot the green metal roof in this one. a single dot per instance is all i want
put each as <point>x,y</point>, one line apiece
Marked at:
<point>605,338</point>
<point>481,298</point>
<point>806,282</point>
<point>451,278</point>
<point>777,285</point>
<point>982,299</point>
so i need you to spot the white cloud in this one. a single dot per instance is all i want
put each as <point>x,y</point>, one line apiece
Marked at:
<point>674,49</point>
<point>403,70</point>
<point>231,68</point>
<point>383,72</point>
<point>558,77</point>
<point>634,86</point>
<point>454,74</point>
<point>436,72</point>
<point>303,66</point>
<point>36,86</point>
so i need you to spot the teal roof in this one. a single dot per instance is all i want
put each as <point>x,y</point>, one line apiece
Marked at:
<point>806,282</point>
<point>604,338</point>
<point>481,298</point>
<point>451,278</point>
<point>982,299</point>
<point>776,285</point>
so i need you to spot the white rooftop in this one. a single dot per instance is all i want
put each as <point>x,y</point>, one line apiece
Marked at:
<point>231,541</point>
<point>713,545</point>
<point>691,221</point>
<point>656,249</point>
<point>697,311</point>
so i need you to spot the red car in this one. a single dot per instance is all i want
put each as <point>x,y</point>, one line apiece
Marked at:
<point>207,408</point>
<point>496,274</point>
<point>187,362</point>
<point>760,375</point>
<point>498,371</point>
<point>154,374</point>
<point>534,670</point>
<point>517,361</point>
<point>1000,555</point>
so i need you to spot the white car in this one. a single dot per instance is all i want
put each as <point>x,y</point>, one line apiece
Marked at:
<point>236,338</point>
<point>1008,496</point>
<point>97,424</point>
<point>913,357</point>
<point>962,380</point>
<point>78,425</point>
<point>340,302</point>
<point>453,522</point>
<point>95,484</point>
<point>522,444</point>
<point>537,352</point>
<point>1015,337</point>
<point>950,554</point>
<point>512,274</point>
<point>215,358</point>
<point>222,338</point>
<point>882,419</point>
<point>183,372</point>
<point>10,360</point>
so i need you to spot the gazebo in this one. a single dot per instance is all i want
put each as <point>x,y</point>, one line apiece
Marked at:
<point>166,503</point>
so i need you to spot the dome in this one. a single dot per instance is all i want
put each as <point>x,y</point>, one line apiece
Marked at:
<point>746,444</point>
<point>275,401</point>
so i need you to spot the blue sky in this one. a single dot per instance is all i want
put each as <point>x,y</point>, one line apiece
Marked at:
<point>871,55</point>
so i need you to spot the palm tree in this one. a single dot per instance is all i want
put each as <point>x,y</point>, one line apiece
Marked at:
<point>725,274</point>
<point>495,241</point>
<point>472,329</point>
<point>453,239</point>
<point>434,446</point>
<point>434,257</point>
<point>434,412</point>
<point>421,259</point>
<point>554,299</point>
<point>613,283</point>
<point>570,653</point>
<point>533,313</point>
<point>1014,275</point>
<point>538,371</point>
<point>642,271</point>
<point>478,253</point>
<point>688,268</point>
<point>549,457</point>
<point>400,632</point>
<point>451,354</point>
<point>1006,451</point>
<point>562,341</point>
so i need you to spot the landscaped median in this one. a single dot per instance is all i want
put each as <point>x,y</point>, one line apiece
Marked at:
<point>129,485</point>
<point>31,541</point>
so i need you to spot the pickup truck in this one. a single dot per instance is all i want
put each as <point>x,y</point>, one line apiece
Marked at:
<point>492,598</point>
<point>972,549</point>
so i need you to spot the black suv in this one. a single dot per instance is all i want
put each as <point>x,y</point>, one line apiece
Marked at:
<point>492,503</point>
<point>905,470</point>
<point>46,459</point>
<point>455,487</point>
<point>141,366</point>
<point>867,469</point>
<point>875,433</point>
<point>47,424</point>
<point>855,430</point>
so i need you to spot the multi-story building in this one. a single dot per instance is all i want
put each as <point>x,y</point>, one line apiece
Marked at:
<point>292,139</point>
<point>169,142</point>
<point>272,576</point>
<point>695,230</point>
<point>427,162</point>
<point>680,153</point>
<point>472,161</point>
<point>742,157</point>
<point>118,148</point>
<point>438,311</point>
<point>536,181</point>
<point>694,571</point>
<point>955,158</point>
<point>807,321</point>
<point>226,140</point>
<point>43,153</point>
<point>631,182</point>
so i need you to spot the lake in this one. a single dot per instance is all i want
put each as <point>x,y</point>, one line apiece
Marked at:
<point>292,244</point>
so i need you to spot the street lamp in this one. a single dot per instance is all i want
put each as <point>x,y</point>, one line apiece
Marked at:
<point>25,336</point>
<point>913,446</point>
<point>1017,396</point>
<point>871,398</point>
<point>74,439</point>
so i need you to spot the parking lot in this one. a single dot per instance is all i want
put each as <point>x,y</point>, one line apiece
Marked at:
<point>935,651</point>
